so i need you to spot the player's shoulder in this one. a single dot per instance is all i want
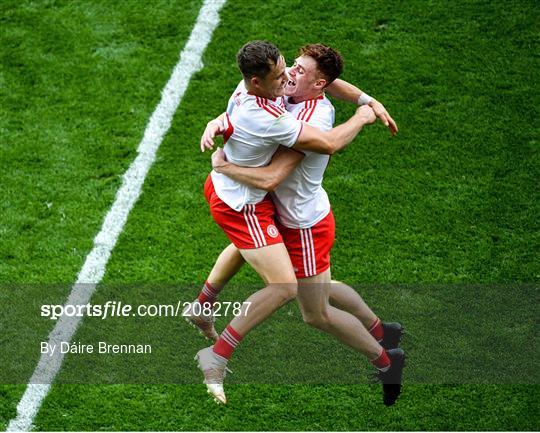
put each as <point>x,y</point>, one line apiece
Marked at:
<point>325,103</point>
<point>257,105</point>
<point>323,107</point>
<point>312,108</point>
<point>240,95</point>
<point>320,113</point>
<point>269,109</point>
<point>321,102</point>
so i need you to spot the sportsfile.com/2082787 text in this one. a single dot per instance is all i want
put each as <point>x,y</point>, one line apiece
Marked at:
<point>120,309</point>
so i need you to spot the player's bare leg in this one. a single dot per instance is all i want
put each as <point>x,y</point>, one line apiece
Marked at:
<point>313,295</point>
<point>227,265</point>
<point>346,298</point>
<point>273,265</point>
<point>341,296</point>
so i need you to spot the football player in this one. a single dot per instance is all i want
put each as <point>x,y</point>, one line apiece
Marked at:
<point>305,223</point>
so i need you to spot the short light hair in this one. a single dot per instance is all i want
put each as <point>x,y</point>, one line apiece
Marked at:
<point>329,61</point>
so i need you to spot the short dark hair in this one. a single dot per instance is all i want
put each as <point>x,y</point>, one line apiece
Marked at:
<point>256,58</point>
<point>329,61</point>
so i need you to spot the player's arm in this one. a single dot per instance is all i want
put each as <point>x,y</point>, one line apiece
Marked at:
<point>267,178</point>
<point>329,142</point>
<point>213,128</point>
<point>347,92</point>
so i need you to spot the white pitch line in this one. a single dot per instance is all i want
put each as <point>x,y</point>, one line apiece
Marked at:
<point>94,266</point>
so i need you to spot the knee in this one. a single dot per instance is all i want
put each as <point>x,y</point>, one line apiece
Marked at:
<point>291,291</point>
<point>319,320</point>
<point>287,292</point>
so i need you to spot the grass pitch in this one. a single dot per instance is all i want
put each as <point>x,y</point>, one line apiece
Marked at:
<point>451,201</point>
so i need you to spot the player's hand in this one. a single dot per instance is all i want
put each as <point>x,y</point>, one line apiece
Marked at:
<point>219,160</point>
<point>382,114</point>
<point>213,129</point>
<point>366,114</point>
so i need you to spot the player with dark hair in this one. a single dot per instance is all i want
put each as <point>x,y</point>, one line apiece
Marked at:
<point>254,126</point>
<point>306,222</point>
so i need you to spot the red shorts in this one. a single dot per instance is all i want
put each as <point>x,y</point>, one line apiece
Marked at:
<point>309,249</point>
<point>253,227</point>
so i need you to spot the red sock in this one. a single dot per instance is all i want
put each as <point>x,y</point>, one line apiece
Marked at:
<point>227,342</point>
<point>383,361</point>
<point>377,330</point>
<point>208,294</point>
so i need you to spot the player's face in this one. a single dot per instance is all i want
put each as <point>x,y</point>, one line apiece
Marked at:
<point>304,80</point>
<point>273,85</point>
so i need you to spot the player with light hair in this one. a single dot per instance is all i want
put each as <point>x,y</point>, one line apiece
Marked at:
<point>309,246</point>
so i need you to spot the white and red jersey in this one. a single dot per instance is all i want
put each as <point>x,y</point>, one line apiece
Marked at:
<point>255,127</point>
<point>300,200</point>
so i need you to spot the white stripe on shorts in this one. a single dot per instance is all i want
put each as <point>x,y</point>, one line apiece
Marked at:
<point>305,253</point>
<point>257,225</point>
<point>254,235</point>
<point>254,228</point>
<point>313,257</point>
<point>308,252</point>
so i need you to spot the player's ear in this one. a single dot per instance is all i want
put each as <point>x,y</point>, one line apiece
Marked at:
<point>254,81</point>
<point>320,83</point>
